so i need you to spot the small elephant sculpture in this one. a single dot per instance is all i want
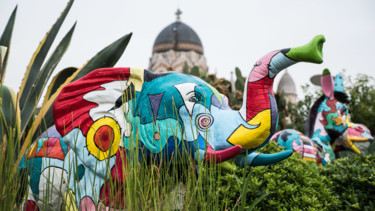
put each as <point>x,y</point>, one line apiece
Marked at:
<point>328,123</point>
<point>111,112</point>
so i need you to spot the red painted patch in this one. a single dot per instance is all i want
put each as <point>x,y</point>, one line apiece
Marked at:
<point>51,148</point>
<point>70,105</point>
<point>213,156</point>
<point>116,186</point>
<point>258,92</point>
<point>104,137</point>
<point>31,206</point>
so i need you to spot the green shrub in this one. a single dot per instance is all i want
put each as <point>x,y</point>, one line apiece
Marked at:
<point>353,181</point>
<point>292,184</point>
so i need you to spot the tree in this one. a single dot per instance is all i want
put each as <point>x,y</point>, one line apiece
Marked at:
<point>362,100</point>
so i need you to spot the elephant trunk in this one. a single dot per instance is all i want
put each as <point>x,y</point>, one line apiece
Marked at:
<point>259,106</point>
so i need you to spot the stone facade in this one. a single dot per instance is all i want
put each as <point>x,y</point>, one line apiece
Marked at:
<point>172,60</point>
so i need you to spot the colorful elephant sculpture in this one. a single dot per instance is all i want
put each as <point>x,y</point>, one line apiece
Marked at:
<point>111,112</point>
<point>328,128</point>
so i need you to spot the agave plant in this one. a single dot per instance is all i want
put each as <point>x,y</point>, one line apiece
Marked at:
<point>18,117</point>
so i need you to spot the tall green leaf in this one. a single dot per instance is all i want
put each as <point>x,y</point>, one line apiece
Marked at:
<point>9,114</point>
<point>43,76</point>
<point>5,40</point>
<point>39,56</point>
<point>105,58</point>
<point>56,82</point>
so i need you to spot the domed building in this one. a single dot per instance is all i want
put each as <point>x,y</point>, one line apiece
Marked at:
<point>176,44</point>
<point>288,87</point>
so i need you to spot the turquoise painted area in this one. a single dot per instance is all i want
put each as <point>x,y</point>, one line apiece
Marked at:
<point>323,106</point>
<point>325,139</point>
<point>339,83</point>
<point>332,124</point>
<point>146,133</point>
<point>293,135</point>
<point>171,100</point>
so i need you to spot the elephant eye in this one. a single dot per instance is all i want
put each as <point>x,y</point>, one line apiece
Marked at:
<point>193,99</point>
<point>204,121</point>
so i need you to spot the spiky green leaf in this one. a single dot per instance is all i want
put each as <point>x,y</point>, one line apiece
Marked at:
<point>57,81</point>
<point>43,76</point>
<point>5,40</point>
<point>9,117</point>
<point>105,58</point>
<point>39,56</point>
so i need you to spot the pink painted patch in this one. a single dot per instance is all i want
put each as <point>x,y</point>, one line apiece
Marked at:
<point>327,86</point>
<point>261,68</point>
<point>86,204</point>
<point>310,151</point>
<point>156,136</point>
<point>356,131</point>
<point>297,148</point>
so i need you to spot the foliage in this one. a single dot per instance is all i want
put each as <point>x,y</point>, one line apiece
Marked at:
<point>20,124</point>
<point>194,71</point>
<point>240,80</point>
<point>37,75</point>
<point>353,180</point>
<point>289,185</point>
<point>362,100</point>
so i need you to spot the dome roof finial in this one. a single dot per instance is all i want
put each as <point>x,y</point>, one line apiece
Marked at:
<point>178,13</point>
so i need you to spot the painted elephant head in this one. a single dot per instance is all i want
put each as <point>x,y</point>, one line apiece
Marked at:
<point>329,120</point>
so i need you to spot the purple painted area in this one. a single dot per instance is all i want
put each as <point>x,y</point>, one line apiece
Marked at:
<point>155,103</point>
<point>51,133</point>
<point>215,102</point>
<point>260,69</point>
<point>274,114</point>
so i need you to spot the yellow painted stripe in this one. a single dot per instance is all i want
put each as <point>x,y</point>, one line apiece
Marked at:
<point>253,138</point>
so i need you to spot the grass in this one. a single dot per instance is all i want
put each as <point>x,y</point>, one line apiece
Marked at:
<point>182,184</point>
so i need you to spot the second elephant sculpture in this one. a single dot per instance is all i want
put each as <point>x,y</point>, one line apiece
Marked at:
<point>329,128</point>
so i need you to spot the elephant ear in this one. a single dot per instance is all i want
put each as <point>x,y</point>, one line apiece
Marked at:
<point>339,83</point>
<point>327,84</point>
<point>94,105</point>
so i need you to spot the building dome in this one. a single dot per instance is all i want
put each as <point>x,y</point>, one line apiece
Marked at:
<point>287,85</point>
<point>175,46</point>
<point>179,37</point>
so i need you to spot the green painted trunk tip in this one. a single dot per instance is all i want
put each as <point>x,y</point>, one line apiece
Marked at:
<point>311,52</point>
<point>326,71</point>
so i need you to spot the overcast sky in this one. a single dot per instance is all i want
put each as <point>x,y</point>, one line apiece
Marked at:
<point>233,33</point>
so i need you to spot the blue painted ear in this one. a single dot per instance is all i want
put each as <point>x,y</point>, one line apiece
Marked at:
<point>339,83</point>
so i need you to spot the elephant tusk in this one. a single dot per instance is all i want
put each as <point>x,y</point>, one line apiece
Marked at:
<point>213,156</point>
<point>355,149</point>
<point>256,159</point>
